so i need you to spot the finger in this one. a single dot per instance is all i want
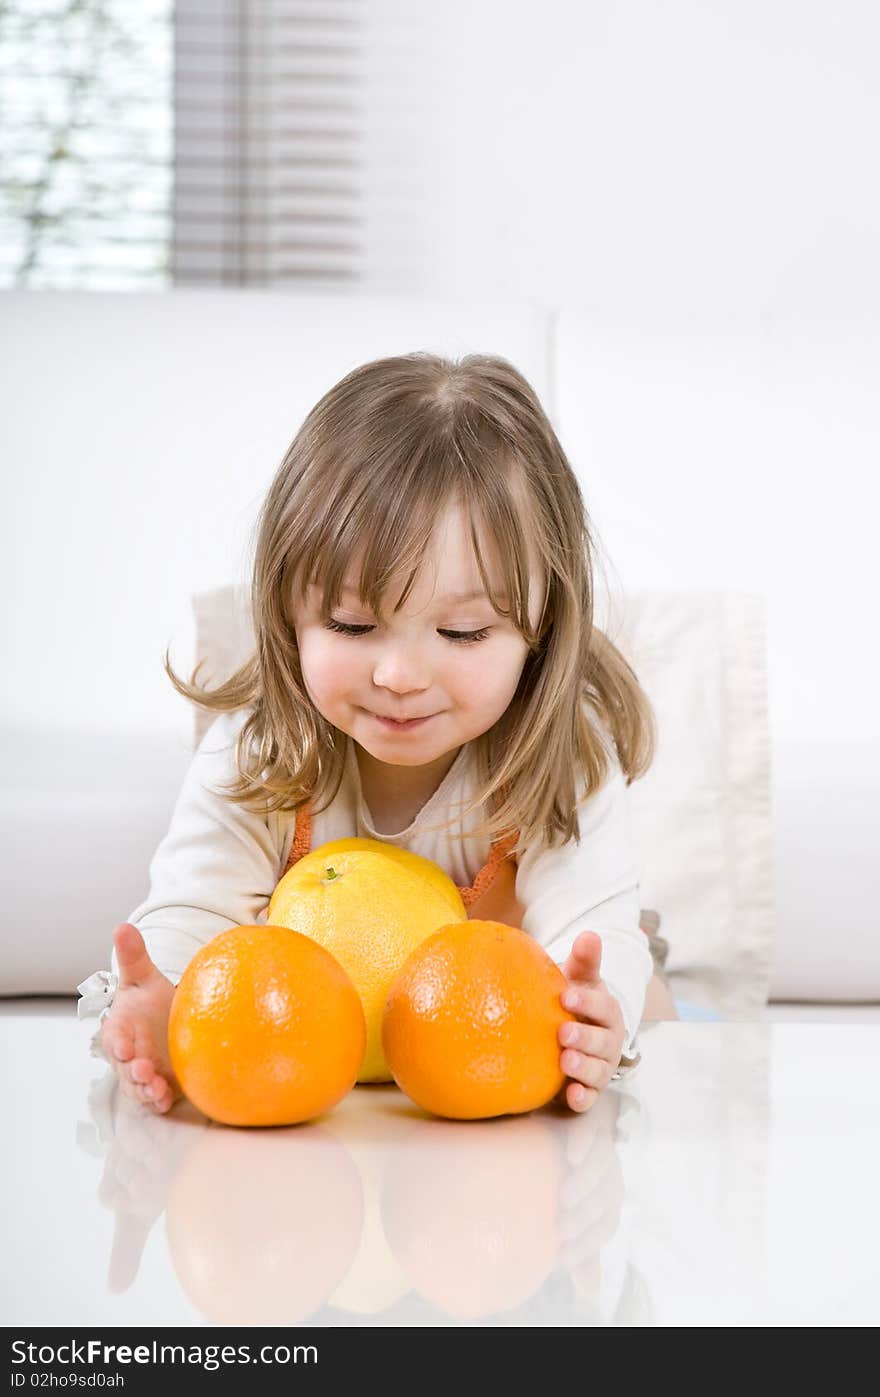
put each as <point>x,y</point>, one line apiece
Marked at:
<point>140,1092</point>
<point>118,1042</point>
<point>585,959</point>
<point>589,1038</point>
<point>135,965</point>
<point>596,1005</point>
<point>156,1087</point>
<point>163,1097</point>
<point>132,1087</point>
<point>128,1087</point>
<point>141,1070</point>
<point>580,1098</point>
<point>591,1071</point>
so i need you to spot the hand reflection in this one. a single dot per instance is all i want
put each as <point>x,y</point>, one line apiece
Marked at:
<point>592,1190</point>
<point>142,1151</point>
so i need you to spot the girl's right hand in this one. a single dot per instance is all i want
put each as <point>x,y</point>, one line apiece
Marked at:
<point>134,1035</point>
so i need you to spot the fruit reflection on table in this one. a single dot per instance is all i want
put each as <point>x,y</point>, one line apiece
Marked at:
<point>373,1211</point>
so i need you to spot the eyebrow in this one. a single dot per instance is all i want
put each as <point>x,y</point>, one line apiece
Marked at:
<point>450,596</point>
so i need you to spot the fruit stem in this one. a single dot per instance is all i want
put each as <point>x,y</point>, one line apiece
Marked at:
<point>331,874</point>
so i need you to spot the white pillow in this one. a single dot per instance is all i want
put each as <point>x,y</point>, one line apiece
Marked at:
<point>701,815</point>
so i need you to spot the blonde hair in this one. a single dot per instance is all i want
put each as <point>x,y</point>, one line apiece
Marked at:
<point>374,465</point>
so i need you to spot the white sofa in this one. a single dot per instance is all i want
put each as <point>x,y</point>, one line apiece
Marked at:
<point>141,432</point>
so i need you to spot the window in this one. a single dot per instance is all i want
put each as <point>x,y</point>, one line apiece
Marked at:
<point>86,143</point>
<point>148,143</point>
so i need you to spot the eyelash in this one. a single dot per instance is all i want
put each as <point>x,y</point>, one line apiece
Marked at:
<point>457,637</point>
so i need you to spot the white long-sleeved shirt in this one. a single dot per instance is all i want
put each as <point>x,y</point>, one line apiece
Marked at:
<point>219,863</point>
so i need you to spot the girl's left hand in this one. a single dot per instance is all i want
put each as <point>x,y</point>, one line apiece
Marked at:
<point>591,1048</point>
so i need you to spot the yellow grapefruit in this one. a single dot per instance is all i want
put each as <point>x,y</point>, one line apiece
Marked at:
<point>438,878</point>
<point>370,910</point>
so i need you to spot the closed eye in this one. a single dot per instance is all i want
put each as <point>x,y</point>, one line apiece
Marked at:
<point>458,637</point>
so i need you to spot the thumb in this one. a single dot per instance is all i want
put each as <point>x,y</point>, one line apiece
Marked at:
<point>132,955</point>
<point>584,959</point>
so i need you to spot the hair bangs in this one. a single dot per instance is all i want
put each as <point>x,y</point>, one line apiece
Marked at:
<point>385,534</point>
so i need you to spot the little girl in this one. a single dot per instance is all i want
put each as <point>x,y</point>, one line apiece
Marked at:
<point>426,673</point>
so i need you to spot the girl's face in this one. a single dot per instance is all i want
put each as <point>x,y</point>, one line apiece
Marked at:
<point>450,660</point>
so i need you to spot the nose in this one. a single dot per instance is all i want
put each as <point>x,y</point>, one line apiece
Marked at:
<point>400,670</point>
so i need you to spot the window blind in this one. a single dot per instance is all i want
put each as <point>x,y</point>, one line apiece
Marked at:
<point>268,103</point>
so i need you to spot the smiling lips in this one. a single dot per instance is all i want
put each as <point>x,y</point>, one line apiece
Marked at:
<point>402,722</point>
<point>416,717</point>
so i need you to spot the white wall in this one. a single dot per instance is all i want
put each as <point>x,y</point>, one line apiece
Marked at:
<point>688,158</point>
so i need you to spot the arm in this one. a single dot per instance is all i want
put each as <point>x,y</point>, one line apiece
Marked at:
<point>594,886</point>
<point>216,867</point>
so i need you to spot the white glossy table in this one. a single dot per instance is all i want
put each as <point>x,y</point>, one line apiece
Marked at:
<point>731,1180</point>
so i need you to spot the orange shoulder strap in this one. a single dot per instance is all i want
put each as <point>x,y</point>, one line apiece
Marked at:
<point>491,896</point>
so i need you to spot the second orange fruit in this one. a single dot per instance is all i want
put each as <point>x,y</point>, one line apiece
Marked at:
<point>471,1022</point>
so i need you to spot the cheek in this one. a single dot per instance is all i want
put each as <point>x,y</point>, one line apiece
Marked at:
<point>324,667</point>
<point>489,674</point>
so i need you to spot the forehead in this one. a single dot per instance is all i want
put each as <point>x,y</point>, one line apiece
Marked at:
<point>472,594</point>
<point>446,572</point>
<point>449,559</point>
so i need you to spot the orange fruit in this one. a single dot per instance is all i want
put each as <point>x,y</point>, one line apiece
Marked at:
<point>471,1022</point>
<point>265,1028</point>
<point>370,911</point>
